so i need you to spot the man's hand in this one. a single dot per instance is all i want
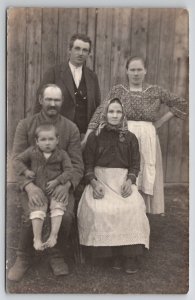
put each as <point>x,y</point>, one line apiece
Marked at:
<point>29,174</point>
<point>98,189</point>
<point>35,195</point>
<point>126,188</point>
<point>61,192</point>
<point>51,185</point>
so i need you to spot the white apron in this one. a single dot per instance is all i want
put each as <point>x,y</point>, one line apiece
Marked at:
<point>146,135</point>
<point>113,220</point>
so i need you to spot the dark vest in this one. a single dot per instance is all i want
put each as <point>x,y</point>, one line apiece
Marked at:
<point>81,105</point>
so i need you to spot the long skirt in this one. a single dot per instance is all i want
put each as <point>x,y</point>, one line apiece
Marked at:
<point>112,220</point>
<point>151,182</point>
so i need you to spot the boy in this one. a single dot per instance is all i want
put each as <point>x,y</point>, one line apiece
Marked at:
<point>47,166</point>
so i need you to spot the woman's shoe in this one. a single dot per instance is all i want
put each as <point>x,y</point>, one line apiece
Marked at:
<point>131,265</point>
<point>117,263</point>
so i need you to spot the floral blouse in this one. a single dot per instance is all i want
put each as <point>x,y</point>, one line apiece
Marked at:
<point>143,105</point>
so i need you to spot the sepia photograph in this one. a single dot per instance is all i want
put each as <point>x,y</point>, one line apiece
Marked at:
<point>97,181</point>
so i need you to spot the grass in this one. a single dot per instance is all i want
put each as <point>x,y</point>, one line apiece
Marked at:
<point>163,269</point>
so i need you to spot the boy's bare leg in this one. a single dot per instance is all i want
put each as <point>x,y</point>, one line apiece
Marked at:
<point>37,225</point>
<point>55,226</point>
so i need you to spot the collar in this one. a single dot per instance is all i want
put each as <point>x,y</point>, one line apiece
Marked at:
<point>145,86</point>
<point>72,67</point>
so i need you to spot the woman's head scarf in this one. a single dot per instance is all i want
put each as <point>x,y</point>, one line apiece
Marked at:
<point>122,127</point>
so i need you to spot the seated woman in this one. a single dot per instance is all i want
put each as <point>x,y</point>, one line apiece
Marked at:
<point>142,102</point>
<point>112,217</point>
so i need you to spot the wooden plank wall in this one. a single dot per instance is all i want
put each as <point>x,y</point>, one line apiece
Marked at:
<point>38,38</point>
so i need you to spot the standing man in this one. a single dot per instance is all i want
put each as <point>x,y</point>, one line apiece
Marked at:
<point>79,84</point>
<point>51,101</point>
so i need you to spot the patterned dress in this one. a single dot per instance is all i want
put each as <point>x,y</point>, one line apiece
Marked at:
<point>145,106</point>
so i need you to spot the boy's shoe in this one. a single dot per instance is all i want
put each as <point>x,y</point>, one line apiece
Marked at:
<point>117,263</point>
<point>131,265</point>
<point>58,266</point>
<point>20,267</point>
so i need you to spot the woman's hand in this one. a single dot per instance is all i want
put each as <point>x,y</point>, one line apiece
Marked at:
<point>126,188</point>
<point>36,196</point>
<point>98,189</point>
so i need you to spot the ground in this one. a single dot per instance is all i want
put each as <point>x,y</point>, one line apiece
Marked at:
<point>163,269</point>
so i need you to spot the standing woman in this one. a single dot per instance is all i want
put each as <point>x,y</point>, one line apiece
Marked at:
<point>142,103</point>
<point>112,219</point>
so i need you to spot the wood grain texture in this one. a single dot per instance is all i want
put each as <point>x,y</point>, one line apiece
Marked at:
<point>177,161</point>
<point>16,43</point>
<point>49,38</point>
<point>33,57</point>
<point>165,61</point>
<point>103,48</point>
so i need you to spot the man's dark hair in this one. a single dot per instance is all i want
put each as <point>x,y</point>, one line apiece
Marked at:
<point>79,36</point>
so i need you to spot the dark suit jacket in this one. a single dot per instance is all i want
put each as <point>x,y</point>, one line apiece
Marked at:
<point>62,76</point>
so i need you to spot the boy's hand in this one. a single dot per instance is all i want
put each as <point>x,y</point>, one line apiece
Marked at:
<point>29,174</point>
<point>51,185</point>
<point>126,188</point>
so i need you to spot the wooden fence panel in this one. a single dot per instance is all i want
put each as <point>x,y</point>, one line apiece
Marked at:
<point>16,44</point>
<point>120,44</point>
<point>164,69</point>
<point>91,32</point>
<point>33,57</point>
<point>49,38</point>
<point>103,48</point>
<point>177,128</point>
<point>66,29</point>
<point>153,45</point>
<point>139,32</point>
<point>82,20</point>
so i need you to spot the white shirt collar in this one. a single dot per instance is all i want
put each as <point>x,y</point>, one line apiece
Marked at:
<point>72,67</point>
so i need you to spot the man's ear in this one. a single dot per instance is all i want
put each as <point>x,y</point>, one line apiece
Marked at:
<point>40,99</point>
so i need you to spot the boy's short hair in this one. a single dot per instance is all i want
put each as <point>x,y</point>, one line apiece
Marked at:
<point>45,127</point>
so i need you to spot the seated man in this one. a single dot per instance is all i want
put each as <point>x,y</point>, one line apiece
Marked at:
<point>69,139</point>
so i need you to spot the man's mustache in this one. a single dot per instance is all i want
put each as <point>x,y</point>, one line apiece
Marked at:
<point>51,108</point>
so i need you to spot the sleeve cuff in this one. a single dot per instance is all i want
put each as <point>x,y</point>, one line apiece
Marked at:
<point>93,126</point>
<point>132,177</point>
<point>89,176</point>
<point>178,113</point>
